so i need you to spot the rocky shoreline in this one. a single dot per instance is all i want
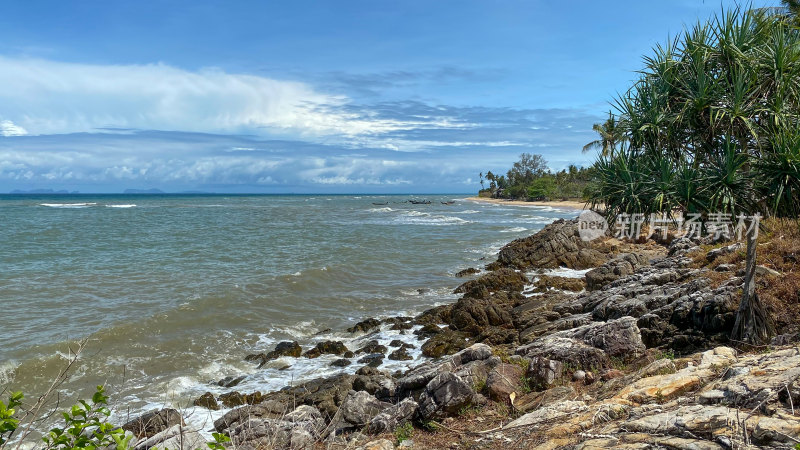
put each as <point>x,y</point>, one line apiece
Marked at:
<point>632,354</point>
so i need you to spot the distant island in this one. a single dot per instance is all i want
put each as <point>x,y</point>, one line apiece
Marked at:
<point>143,191</point>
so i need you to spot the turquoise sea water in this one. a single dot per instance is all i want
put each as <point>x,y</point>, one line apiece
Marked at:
<point>174,290</point>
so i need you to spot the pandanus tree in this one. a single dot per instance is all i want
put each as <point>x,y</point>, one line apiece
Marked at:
<point>711,124</point>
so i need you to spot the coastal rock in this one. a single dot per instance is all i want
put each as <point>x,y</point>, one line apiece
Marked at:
<point>266,409</point>
<point>550,413</point>
<point>236,398</point>
<point>276,433</point>
<point>326,347</point>
<point>569,351</point>
<point>401,354</point>
<point>556,245</point>
<point>435,315</point>
<point>503,279</point>
<point>503,380</point>
<point>287,348</point>
<point>342,362</point>
<point>207,401</point>
<point>365,326</point>
<point>176,437</point>
<point>544,283</point>
<point>372,360</point>
<point>419,376</point>
<point>153,422</point>
<point>359,407</point>
<point>446,342</point>
<point>617,338</point>
<point>230,381</point>
<point>615,269</point>
<point>372,347</point>
<point>444,396</point>
<point>710,421</point>
<point>392,417</point>
<point>544,373</point>
<point>375,382</point>
<point>380,444</point>
<point>759,380</point>
<point>472,315</point>
<point>467,272</point>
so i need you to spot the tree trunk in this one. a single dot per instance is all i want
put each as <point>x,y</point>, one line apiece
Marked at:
<point>753,324</point>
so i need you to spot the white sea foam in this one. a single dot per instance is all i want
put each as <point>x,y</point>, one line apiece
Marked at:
<point>514,230</point>
<point>423,218</point>
<point>67,205</point>
<point>386,209</point>
<point>469,211</point>
<point>7,372</point>
<point>121,206</point>
<point>564,272</point>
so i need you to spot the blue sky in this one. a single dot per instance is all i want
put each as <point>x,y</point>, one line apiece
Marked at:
<point>310,97</point>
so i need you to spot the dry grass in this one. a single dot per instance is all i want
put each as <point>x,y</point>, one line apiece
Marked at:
<point>778,249</point>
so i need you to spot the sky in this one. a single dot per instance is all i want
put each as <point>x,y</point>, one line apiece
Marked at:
<point>312,97</point>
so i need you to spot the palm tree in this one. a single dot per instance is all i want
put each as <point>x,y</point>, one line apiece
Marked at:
<point>611,133</point>
<point>793,6</point>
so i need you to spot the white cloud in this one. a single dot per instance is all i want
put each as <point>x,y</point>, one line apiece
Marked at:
<point>8,128</point>
<point>49,97</point>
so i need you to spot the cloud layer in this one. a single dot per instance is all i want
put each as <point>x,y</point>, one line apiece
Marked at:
<point>96,127</point>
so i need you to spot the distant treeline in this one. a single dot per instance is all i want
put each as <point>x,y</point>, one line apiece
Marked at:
<point>531,179</point>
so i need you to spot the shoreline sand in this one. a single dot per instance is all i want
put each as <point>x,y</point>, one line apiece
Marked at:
<point>559,204</point>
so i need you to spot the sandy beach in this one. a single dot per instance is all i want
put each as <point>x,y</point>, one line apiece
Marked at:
<point>558,204</point>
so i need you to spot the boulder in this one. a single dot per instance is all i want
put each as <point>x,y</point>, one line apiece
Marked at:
<point>176,437</point>
<point>287,348</point>
<point>326,347</point>
<point>544,283</point>
<point>359,407</point>
<point>447,342</point>
<point>618,338</point>
<point>153,422</point>
<point>266,409</point>
<point>392,417</point>
<point>372,360</point>
<point>433,316</point>
<point>207,401</point>
<point>419,376</point>
<point>375,382</point>
<point>567,350</point>
<point>372,347</point>
<point>467,272</point>
<point>544,373</point>
<point>503,380</point>
<point>365,326</point>
<point>472,315</point>
<point>503,279</point>
<point>444,396</point>
<point>401,354</point>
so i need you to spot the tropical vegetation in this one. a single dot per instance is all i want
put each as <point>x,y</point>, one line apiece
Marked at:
<point>711,124</point>
<point>531,179</point>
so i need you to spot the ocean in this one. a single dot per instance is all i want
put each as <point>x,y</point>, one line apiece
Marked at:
<point>173,291</point>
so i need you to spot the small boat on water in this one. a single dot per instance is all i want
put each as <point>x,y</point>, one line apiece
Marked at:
<point>451,202</point>
<point>420,202</point>
<point>380,204</point>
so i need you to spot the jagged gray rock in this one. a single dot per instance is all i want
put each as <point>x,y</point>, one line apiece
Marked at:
<point>444,396</point>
